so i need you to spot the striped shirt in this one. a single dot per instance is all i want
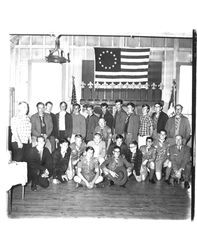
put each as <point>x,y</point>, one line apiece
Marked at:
<point>21,126</point>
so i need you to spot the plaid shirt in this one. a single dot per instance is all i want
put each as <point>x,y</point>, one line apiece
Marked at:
<point>146,126</point>
<point>21,126</point>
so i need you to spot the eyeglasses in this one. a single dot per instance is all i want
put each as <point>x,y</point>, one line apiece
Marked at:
<point>116,151</point>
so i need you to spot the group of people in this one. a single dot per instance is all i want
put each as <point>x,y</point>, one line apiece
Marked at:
<point>95,149</point>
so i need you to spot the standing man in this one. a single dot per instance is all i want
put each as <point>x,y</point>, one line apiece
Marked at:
<point>21,132</point>
<point>132,124</point>
<point>159,119</point>
<point>42,125</point>
<point>79,122</point>
<point>178,125</point>
<point>53,136</point>
<point>91,123</point>
<point>146,125</point>
<point>64,122</point>
<point>107,115</point>
<point>119,118</point>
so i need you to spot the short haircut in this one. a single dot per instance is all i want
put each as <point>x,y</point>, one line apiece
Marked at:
<point>116,147</point>
<point>40,136</point>
<point>180,136</point>
<point>63,102</point>
<point>76,105</point>
<point>89,148</point>
<point>146,105</point>
<point>163,130</point>
<point>79,136</point>
<point>90,106</point>
<point>97,133</point>
<point>61,141</point>
<point>104,104</point>
<point>131,104</point>
<point>119,137</point>
<point>179,106</point>
<point>134,143</point>
<point>39,103</point>
<point>159,103</point>
<point>102,118</point>
<point>149,138</point>
<point>119,100</point>
<point>48,103</point>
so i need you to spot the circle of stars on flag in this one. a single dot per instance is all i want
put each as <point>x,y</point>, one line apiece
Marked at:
<point>109,64</point>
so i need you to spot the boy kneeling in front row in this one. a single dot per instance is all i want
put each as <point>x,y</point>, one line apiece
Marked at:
<point>88,172</point>
<point>116,168</point>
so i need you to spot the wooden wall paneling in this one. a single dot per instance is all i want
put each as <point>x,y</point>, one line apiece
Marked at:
<point>116,94</point>
<point>149,95</point>
<point>108,96</point>
<point>143,94</point>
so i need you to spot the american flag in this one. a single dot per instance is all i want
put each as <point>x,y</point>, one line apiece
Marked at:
<point>73,98</point>
<point>121,65</point>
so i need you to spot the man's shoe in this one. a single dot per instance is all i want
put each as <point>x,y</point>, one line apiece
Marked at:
<point>34,187</point>
<point>168,182</point>
<point>78,185</point>
<point>152,181</point>
<point>186,185</point>
<point>100,185</point>
<point>111,183</point>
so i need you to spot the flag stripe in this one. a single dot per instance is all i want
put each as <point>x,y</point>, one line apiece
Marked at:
<point>134,67</point>
<point>131,60</point>
<point>135,57</point>
<point>122,79</point>
<point>139,73</point>
<point>135,50</point>
<point>121,76</point>
<point>133,63</point>
<point>121,65</point>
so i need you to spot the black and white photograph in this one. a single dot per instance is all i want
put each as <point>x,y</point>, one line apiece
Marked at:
<point>100,126</point>
<point>99,130</point>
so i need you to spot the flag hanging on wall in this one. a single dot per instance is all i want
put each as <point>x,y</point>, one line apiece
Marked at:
<point>73,98</point>
<point>121,65</point>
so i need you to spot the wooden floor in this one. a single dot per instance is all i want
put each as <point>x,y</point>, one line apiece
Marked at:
<point>137,200</point>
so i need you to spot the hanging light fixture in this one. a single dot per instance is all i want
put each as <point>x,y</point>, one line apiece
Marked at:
<point>56,55</point>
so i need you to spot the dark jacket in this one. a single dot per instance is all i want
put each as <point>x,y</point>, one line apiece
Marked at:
<point>34,161</point>
<point>68,124</point>
<point>179,158</point>
<point>133,125</point>
<point>184,128</point>
<point>136,160</point>
<point>161,123</point>
<point>119,121</point>
<point>60,163</point>
<point>91,124</point>
<point>55,127</point>
<point>109,119</point>
<point>123,149</point>
<point>36,125</point>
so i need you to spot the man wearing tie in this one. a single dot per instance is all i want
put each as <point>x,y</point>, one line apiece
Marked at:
<point>179,157</point>
<point>42,125</point>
